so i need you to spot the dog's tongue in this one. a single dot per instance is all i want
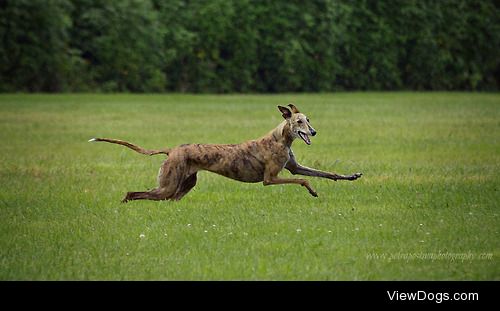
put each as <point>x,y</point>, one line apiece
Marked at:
<point>305,138</point>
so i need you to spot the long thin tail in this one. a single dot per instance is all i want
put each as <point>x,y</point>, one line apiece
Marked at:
<point>132,146</point>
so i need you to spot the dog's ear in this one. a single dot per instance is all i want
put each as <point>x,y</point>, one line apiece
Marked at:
<point>294,109</point>
<point>286,113</point>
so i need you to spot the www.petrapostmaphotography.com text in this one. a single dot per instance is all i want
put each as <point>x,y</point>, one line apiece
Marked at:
<point>439,256</point>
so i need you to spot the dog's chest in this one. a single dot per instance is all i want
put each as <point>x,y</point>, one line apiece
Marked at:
<point>279,155</point>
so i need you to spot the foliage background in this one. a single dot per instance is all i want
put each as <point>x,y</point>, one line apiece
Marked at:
<point>248,46</point>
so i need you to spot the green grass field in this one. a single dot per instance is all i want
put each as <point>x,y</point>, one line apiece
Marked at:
<point>427,207</point>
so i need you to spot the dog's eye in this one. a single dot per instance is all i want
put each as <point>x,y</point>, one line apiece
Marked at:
<point>307,120</point>
<point>299,121</point>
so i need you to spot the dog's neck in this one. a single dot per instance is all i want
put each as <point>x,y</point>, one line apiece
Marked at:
<point>283,134</point>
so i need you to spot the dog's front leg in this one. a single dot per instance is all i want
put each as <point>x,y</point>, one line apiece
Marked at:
<point>275,180</point>
<point>306,171</point>
<point>295,168</point>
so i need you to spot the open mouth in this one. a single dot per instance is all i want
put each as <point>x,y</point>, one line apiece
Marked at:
<point>304,137</point>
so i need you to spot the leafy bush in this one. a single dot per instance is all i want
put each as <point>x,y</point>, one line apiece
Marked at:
<point>248,46</point>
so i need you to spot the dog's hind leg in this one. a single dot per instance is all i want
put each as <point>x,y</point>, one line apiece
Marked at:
<point>185,187</point>
<point>175,179</point>
<point>166,188</point>
<point>155,194</point>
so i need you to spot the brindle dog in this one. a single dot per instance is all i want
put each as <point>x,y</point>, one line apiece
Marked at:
<point>253,161</point>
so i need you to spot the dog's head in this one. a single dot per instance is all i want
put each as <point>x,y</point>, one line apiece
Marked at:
<point>299,123</point>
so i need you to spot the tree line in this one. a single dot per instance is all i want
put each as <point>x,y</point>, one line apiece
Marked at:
<point>226,46</point>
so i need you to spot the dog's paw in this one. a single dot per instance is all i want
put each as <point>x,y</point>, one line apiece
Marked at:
<point>353,176</point>
<point>356,176</point>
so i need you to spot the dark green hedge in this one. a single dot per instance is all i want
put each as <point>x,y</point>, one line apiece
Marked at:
<point>248,46</point>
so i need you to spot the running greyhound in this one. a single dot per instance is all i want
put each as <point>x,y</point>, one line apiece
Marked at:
<point>258,160</point>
